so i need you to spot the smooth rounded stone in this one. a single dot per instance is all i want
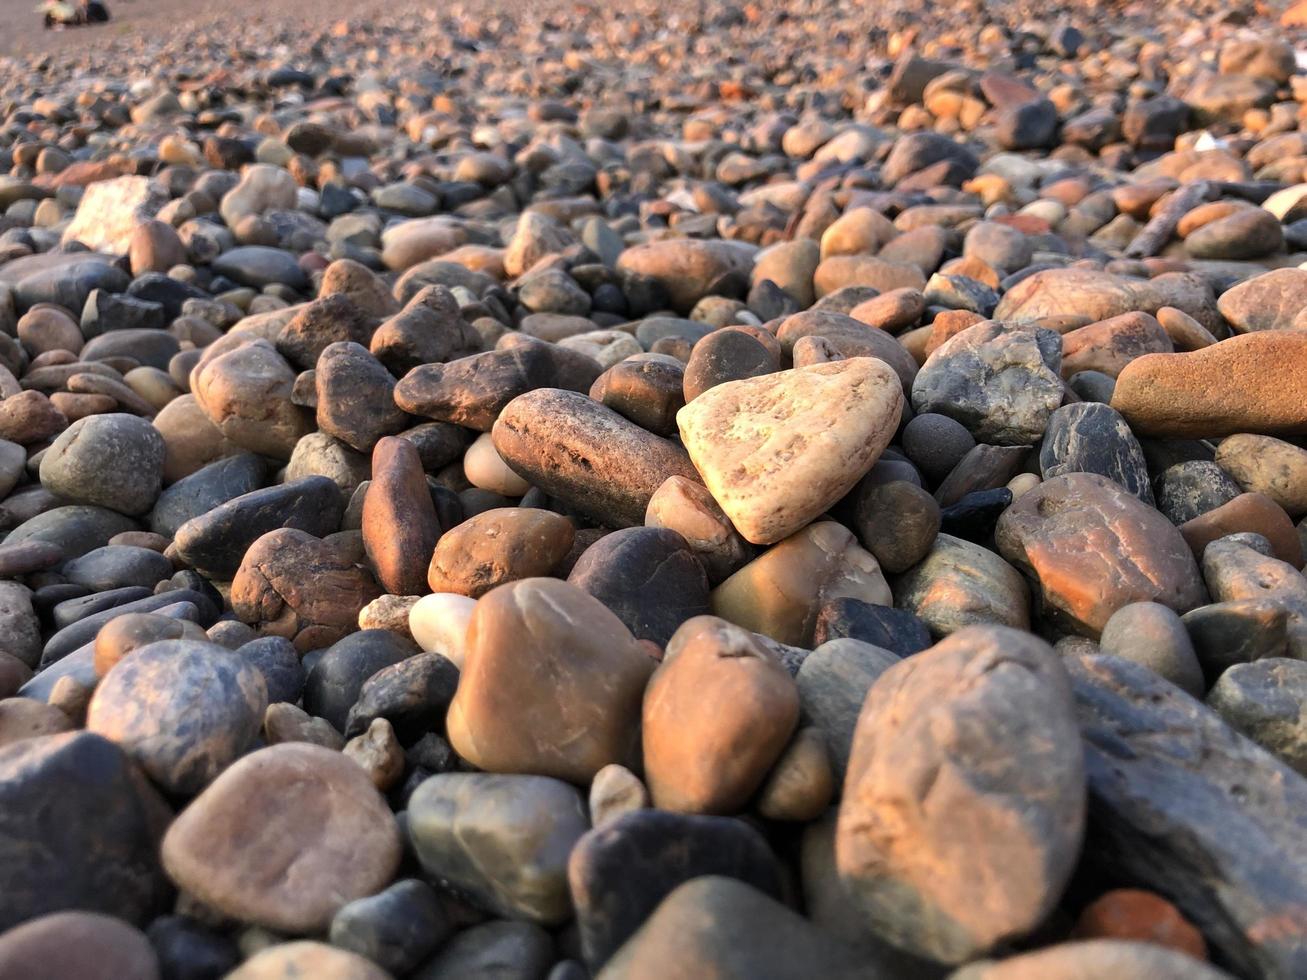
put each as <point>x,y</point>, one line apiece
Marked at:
<point>1270,466</point>
<point>688,269</point>
<point>838,272</point>
<point>113,461</point>
<point>897,522</point>
<point>262,187</point>
<point>778,450</point>
<point>1247,384</point>
<point>20,628</point>
<point>319,454</point>
<point>56,858</point>
<point>1253,513</point>
<point>1092,386</point>
<point>75,528</point>
<point>620,873</point>
<point>438,443</point>
<point>307,958</point>
<point>1136,914</point>
<point>1139,556</point>
<point>848,338</point>
<point>1082,292</point>
<point>1186,333</point>
<point>333,684</point>
<point>1152,635</point>
<point>891,311</point>
<point>215,541</point>
<point>1240,631</point>
<point>897,630</point>
<point>189,950</point>
<point>721,927</point>
<point>1272,300</point>
<point>1190,489</point>
<point>719,711</point>
<point>833,682</point>
<point>686,507</point>
<point>151,347</point>
<point>396,929</point>
<point>614,792</point>
<point>115,566</point>
<point>722,356</point>
<point>1110,345</point>
<point>179,603</point>
<point>356,397</point>
<point>64,278</point>
<point>284,838</point>
<point>259,266</point>
<point>183,710</point>
<point>1116,958</point>
<point>29,417</point>
<point>191,441</point>
<point>278,661</point>
<point>936,444</point>
<point>1093,438</point>
<point>25,557</point>
<point>400,526</point>
<point>498,546</point>
<point>439,622</point>
<point>780,592</point>
<point>246,393</point>
<point>501,841</point>
<point>1001,382</point>
<point>319,324</point>
<point>378,753</point>
<point>486,470</point>
<point>649,577</point>
<point>649,393</point>
<point>801,785</point>
<point>86,945</point>
<point>388,612</point>
<point>307,589</point>
<point>551,683</point>
<point>606,347</point>
<point>22,718</point>
<point>1144,782</point>
<point>973,734</point>
<point>207,488</point>
<point>284,722</point>
<point>47,328</point>
<point>473,391</point>
<point>975,515</point>
<point>429,329</point>
<point>1263,701</point>
<point>13,674</point>
<point>961,584</point>
<point>496,950</point>
<point>581,452</point>
<point>412,695</point>
<point>1246,233</point>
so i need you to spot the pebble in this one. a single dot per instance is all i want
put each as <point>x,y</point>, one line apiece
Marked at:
<point>1263,700</point>
<point>77,944</point>
<point>498,546</point>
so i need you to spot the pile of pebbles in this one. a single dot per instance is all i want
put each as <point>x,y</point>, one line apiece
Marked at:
<point>699,491</point>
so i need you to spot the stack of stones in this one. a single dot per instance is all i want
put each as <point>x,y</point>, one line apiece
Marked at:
<point>706,505</point>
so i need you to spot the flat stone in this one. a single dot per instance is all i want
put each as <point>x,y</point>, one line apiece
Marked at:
<point>498,546</point>
<point>1093,438</point>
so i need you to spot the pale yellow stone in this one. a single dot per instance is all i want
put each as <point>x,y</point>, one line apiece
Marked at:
<point>775,451</point>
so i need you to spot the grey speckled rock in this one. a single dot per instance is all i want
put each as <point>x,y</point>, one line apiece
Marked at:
<point>113,461</point>
<point>1219,832</point>
<point>1092,438</point>
<point>1265,701</point>
<point>501,840</point>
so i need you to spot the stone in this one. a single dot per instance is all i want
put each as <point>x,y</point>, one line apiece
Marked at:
<point>833,683</point>
<point>1269,301</point>
<point>319,324</point>
<point>490,949</point>
<point>1094,958</point>
<point>615,791</point>
<point>215,541</point>
<point>246,393</point>
<point>87,945</point>
<point>649,393</point>
<point>1196,394</point>
<point>687,268</point>
<point>649,577</point>
<point>846,337</point>
<point>1247,233</point>
<point>265,842</point>
<point>718,712</point>
<point>1141,558</point>
<point>396,929</point>
<point>306,958</point>
<point>1215,809</point>
<point>400,526</point>
<point>1089,293</point>
<point>1151,634</point>
<point>1134,914</point>
<point>897,630</point>
<point>438,623</point>
<point>1247,512</point>
<point>579,451</point>
<point>262,188</point>
<point>278,661</point>
<point>501,841</point>
<point>1002,383</point>
<point>551,683</point>
<point>118,566</point>
<point>801,785</point>
<point>411,694</point>
<point>1273,467</point>
<point>111,210</point>
<point>59,860</point>
<point>1236,632</point>
<point>722,356</point>
<point>355,397</point>
<point>429,329</point>
<point>337,677</point>
<point>620,873</point>
<point>22,718</point>
<point>501,545</point>
<point>897,522</point>
<point>259,266</point>
<point>1093,438</point>
<point>113,461</point>
<point>936,444</point>
<point>378,753</point>
<point>1263,701</point>
<point>209,487</point>
<point>294,585</point>
<point>1190,489</point>
<point>988,707</point>
<point>960,584</point>
<point>718,926</point>
<point>1111,344</point>
<point>686,507</point>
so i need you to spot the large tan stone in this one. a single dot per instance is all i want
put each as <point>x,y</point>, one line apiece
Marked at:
<point>246,393</point>
<point>688,268</point>
<point>777,450</point>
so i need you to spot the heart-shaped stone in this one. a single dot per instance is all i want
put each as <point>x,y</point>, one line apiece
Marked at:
<point>777,450</point>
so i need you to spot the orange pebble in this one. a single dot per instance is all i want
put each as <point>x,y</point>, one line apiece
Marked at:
<point>1131,913</point>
